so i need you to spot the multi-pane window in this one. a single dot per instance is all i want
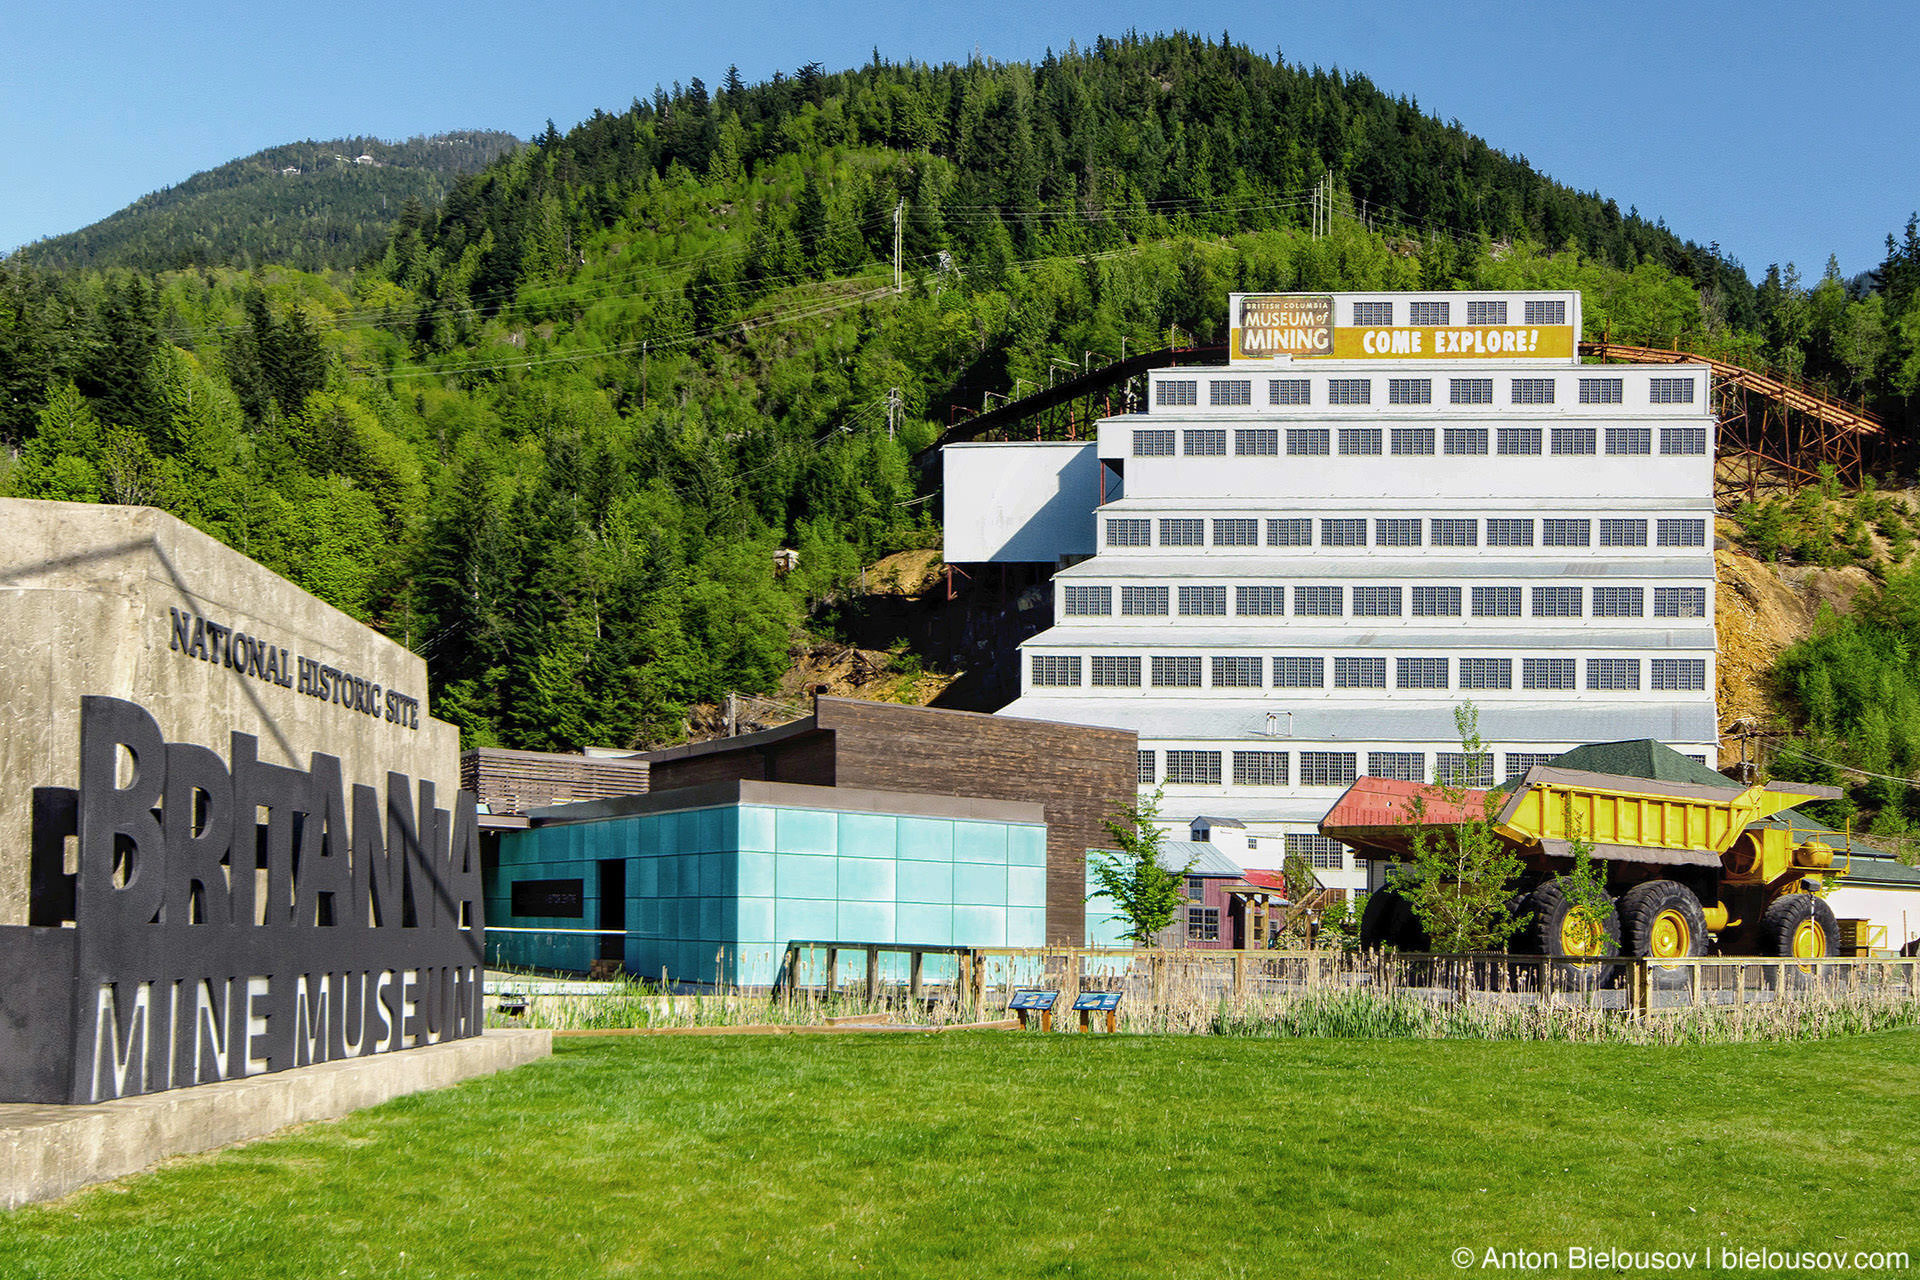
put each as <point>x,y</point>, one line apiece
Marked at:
<point>1116,671</point>
<point>1129,533</point>
<point>1403,766</point>
<point>1360,440</point>
<point>1256,442</point>
<point>1179,671</point>
<point>1089,602</point>
<point>1427,313</point>
<point>1566,533</point>
<point>1470,390</point>
<point>1146,774</point>
<point>1681,533</point>
<point>1683,440</point>
<point>1448,532</point>
<point>1235,672</point>
<point>1290,531</point>
<point>1556,602</point>
<point>1203,924</point>
<point>1486,673</point>
<point>1601,390</point>
<point>1143,602</point>
<point>1260,769</point>
<point>1496,602</point>
<point>1396,532</point>
<point>1410,390</point>
<point>1153,444</point>
<point>1204,442</point>
<point>1503,532</point>
<point>1546,311</point>
<point>1613,673</point>
<point>1679,673</point>
<point>1230,391</point>
<point>1182,532</point>
<point>1329,768</point>
<point>1494,312</point>
<point>1533,391</point>
<point>1632,441</point>
<point>1309,441</point>
<point>1679,602</point>
<point>1670,391</point>
<point>1465,440</point>
<point>1289,391</point>
<point>1349,391</point>
<point>1415,441</point>
<point>1376,602</point>
<point>1619,602</point>
<point>1203,602</point>
<point>1519,762</point>
<point>1518,440</point>
<point>1420,673</point>
<point>1259,602</point>
<point>1176,391</point>
<point>1359,673</point>
<point>1575,440</point>
<point>1321,852</point>
<point>1343,533</point>
<point>1436,602</point>
<point>1317,602</point>
<point>1623,533</point>
<point>1546,673</point>
<point>1056,669</point>
<point>1236,531</point>
<point>1194,768</point>
<point>1463,769</point>
<point>1372,313</point>
<point>1299,673</point>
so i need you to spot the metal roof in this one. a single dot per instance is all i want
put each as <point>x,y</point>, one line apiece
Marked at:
<point>1569,720</point>
<point>1207,859</point>
<point>1645,759</point>
<point>1216,822</point>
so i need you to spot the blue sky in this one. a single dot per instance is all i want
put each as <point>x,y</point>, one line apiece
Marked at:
<point>1784,132</point>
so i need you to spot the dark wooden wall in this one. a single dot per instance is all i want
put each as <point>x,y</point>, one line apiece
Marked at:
<point>1081,775</point>
<point>806,759</point>
<point>515,781</point>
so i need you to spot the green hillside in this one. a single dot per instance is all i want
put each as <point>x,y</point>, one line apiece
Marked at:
<point>312,205</point>
<point>552,438</point>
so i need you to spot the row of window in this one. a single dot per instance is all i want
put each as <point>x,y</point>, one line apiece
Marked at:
<point>1385,602</point>
<point>1267,768</point>
<point>1319,442</point>
<point>1400,531</point>
<point>1237,393</point>
<point>1436,314</point>
<point>1253,671</point>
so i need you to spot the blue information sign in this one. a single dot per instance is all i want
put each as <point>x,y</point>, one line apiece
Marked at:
<point>1096,1002</point>
<point>1039,1000</point>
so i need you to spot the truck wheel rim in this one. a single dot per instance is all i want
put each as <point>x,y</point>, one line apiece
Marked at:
<point>1579,934</point>
<point>1809,939</point>
<point>1669,936</point>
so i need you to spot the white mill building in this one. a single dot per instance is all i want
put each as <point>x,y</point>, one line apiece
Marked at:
<point>1291,569</point>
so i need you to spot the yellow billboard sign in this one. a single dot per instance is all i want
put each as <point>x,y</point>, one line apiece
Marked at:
<point>1301,326</point>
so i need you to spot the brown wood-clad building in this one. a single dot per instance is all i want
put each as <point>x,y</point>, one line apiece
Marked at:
<point>512,782</point>
<point>1081,775</point>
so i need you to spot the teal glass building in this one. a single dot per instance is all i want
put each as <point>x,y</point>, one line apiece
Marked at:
<point>707,884</point>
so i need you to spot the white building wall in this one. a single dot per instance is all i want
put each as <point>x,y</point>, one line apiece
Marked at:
<point>1601,621</point>
<point>1020,502</point>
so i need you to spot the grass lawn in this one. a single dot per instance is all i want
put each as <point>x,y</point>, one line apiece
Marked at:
<point>1002,1155</point>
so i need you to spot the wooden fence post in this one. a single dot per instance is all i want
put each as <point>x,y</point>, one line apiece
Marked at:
<point>979,981</point>
<point>1071,982</point>
<point>833,970</point>
<point>873,974</point>
<point>913,973</point>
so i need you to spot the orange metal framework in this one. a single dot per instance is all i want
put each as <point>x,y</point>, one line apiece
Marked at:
<point>1769,423</point>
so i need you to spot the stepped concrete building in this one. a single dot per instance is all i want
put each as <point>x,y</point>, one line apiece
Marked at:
<point>1385,505</point>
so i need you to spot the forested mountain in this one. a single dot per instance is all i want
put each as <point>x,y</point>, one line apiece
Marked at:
<point>312,205</point>
<point>552,437</point>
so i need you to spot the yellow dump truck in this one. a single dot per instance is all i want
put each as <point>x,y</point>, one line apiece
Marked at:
<point>1691,867</point>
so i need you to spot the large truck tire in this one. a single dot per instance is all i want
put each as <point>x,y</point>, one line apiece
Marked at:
<point>1799,924</point>
<point>1388,921</point>
<point>1662,919</point>
<point>1556,929</point>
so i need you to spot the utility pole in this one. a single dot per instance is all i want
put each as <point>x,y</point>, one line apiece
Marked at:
<point>733,715</point>
<point>643,373</point>
<point>893,410</point>
<point>899,209</point>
